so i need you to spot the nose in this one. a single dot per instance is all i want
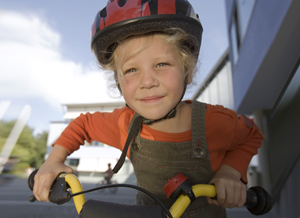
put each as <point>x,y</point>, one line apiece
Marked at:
<point>148,79</point>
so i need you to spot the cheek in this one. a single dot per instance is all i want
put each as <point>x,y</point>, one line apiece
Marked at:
<point>126,88</point>
<point>175,81</point>
<point>122,83</point>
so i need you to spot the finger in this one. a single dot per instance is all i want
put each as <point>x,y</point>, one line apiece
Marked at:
<point>69,170</point>
<point>211,201</point>
<point>221,196</point>
<point>236,197</point>
<point>45,190</point>
<point>231,200</point>
<point>35,187</point>
<point>42,187</point>
<point>228,199</point>
<point>243,197</point>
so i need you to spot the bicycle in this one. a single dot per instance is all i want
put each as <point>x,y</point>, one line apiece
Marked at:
<point>258,201</point>
<point>104,182</point>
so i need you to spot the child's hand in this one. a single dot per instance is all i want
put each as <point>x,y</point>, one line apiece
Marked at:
<point>48,172</point>
<point>231,191</point>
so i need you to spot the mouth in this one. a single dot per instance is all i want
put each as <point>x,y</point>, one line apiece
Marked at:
<point>151,99</point>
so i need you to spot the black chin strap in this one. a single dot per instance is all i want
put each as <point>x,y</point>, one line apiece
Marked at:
<point>171,114</point>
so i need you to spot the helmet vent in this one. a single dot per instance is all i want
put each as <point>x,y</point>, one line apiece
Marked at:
<point>103,13</point>
<point>122,2</point>
<point>183,7</point>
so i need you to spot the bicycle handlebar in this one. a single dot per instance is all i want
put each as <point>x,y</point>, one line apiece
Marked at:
<point>258,200</point>
<point>60,190</point>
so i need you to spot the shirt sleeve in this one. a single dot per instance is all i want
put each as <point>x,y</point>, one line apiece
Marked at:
<point>101,127</point>
<point>234,138</point>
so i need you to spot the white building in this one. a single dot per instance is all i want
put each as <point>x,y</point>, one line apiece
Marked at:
<point>90,161</point>
<point>217,87</point>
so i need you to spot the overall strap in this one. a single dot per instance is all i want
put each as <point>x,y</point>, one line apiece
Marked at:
<point>135,115</point>
<point>199,147</point>
<point>136,124</point>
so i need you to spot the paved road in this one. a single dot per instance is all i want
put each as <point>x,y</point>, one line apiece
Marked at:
<point>14,194</point>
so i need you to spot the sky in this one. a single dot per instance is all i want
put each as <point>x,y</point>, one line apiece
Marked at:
<point>46,61</point>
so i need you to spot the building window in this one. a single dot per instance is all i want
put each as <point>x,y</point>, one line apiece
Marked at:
<point>291,92</point>
<point>234,42</point>
<point>244,10</point>
<point>241,17</point>
<point>217,89</point>
<point>73,162</point>
<point>94,143</point>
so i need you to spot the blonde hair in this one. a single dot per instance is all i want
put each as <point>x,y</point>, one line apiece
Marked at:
<point>185,44</point>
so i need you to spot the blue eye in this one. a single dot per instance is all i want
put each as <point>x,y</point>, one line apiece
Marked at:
<point>161,64</point>
<point>132,70</point>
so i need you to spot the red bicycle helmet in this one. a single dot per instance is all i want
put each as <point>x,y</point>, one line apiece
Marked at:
<point>123,18</point>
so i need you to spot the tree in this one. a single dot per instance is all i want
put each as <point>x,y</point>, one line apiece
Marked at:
<point>40,149</point>
<point>29,150</point>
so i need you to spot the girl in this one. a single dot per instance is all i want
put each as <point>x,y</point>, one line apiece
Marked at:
<point>152,47</point>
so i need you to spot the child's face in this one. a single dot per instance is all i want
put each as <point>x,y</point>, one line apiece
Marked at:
<point>152,80</point>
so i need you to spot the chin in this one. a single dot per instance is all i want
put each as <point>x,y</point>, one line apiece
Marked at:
<point>153,116</point>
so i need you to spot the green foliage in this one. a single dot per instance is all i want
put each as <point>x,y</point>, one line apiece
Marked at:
<point>5,128</point>
<point>29,151</point>
<point>40,150</point>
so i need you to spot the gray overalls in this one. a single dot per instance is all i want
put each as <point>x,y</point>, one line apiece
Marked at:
<point>155,163</point>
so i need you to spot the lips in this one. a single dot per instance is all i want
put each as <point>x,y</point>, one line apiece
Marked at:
<point>151,99</point>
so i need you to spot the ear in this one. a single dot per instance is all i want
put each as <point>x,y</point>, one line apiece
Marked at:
<point>189,77</point>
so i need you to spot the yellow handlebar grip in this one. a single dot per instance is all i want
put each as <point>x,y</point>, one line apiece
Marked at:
<point>184,201</point>
<point>75,186</point>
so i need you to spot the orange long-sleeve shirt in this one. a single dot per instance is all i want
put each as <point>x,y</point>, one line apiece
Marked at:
<point>231,139</point>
